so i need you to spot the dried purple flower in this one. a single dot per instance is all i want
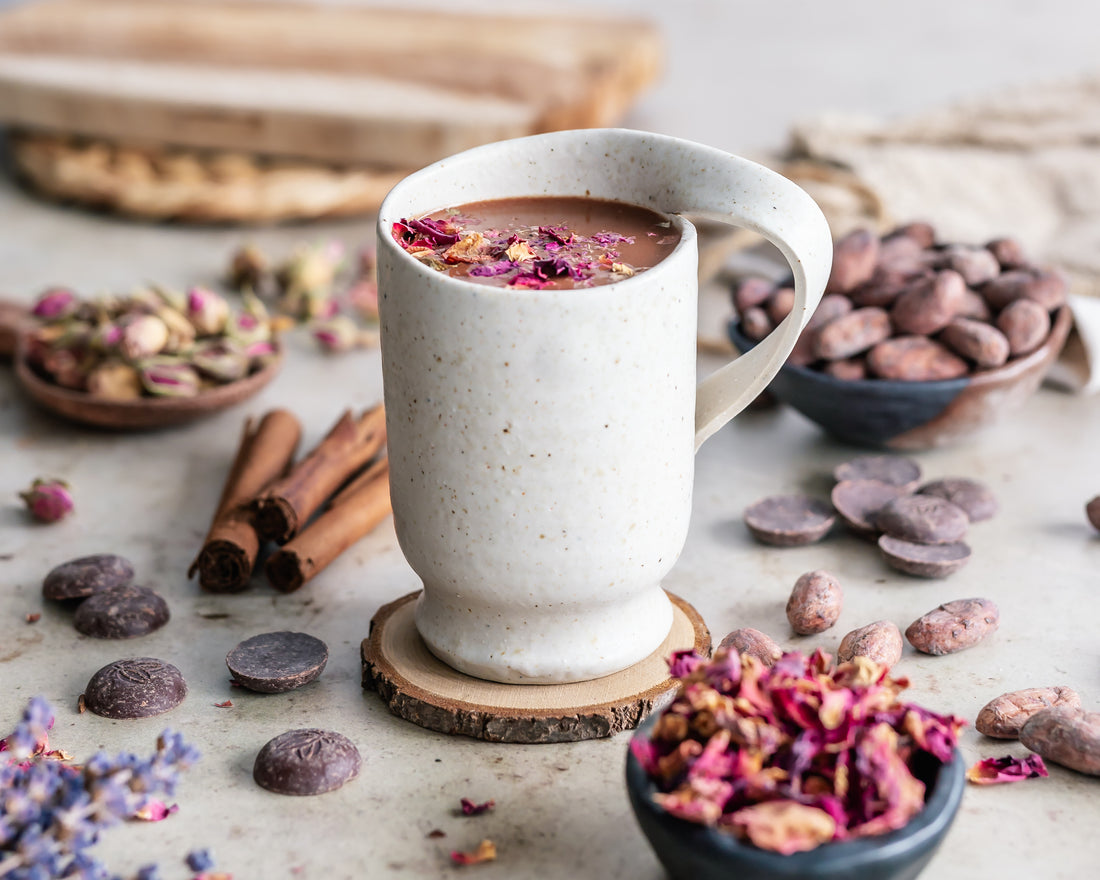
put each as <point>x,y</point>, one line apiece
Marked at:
<point>55,304</point>
<point>52,812</point>
<point>200,860</point>
<point>207,311</point>
<point>48,500</point>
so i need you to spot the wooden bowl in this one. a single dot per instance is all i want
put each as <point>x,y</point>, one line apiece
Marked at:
<point>143,413</point>
<point>690,851</point>
<point>913,416</point>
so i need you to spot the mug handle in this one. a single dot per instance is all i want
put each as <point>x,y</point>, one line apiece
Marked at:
<point>728,189</point>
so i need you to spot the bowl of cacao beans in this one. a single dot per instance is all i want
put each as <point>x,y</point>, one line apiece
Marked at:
<point>749,774</point>
<point>917,343</point>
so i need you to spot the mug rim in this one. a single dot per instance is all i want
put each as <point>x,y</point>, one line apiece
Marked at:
<point>384,231</point>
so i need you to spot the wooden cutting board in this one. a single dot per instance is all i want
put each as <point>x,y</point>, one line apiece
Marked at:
<point>383,86</point>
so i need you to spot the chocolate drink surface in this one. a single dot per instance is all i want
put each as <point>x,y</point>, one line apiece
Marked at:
<point>539,242</point>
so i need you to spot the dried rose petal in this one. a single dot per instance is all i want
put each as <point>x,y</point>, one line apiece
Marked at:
<point>830,739</point>
<point>784,826</point>
<point>48,500</point>
<point>990,771</point>
<point>486,851</point>
<point>469,808</point>
<point>155,811</point>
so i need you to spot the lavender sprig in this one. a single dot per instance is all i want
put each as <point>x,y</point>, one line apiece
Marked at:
<point>51,812</point>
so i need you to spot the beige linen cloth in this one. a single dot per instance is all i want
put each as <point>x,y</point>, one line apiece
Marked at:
<point>1023,162</point>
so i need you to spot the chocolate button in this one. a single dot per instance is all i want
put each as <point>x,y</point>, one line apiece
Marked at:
<point>857,502</point>
<point>305,762</point>
<point>924,560</point>
<point>974,498</point>
<point>892,469</point>
<point>275,662</point>
<point>789,520</point>
<point>138,687</point>
<point>924,519</point>
<point>79,578</point>
<point>124,612</point>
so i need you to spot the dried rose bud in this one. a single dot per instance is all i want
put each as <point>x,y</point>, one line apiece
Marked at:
<point>248,269</point>
<point>261,354</point>
<point>142,336</point>
<point>48,500</point>
<point>222,360</point>
<point>181,332</point>
<point>114,380</point>
<point>168,377</point>
<point>67,367</point>
<point>207,311</point>
<point>106,338</point>
<point>312,268</point>
<point>55,304</point>
<point>336,334</point>
<point>363,297</point>
<point>246,328</point>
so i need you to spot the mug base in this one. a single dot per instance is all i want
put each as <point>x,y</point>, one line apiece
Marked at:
<point>423,690</point>
<point>543,646</point>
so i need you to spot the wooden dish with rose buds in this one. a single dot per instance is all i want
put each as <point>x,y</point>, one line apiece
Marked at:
<point>120,398</point>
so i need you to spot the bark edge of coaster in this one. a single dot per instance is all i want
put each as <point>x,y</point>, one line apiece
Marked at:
<point>418,687</point>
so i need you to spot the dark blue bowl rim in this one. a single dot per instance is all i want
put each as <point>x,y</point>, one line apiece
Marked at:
<point>1059,328</point>
<point>930,823</point>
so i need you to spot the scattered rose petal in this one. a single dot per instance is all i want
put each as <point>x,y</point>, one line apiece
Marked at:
<point>437,833</point>
<point>990,771</point>
<point>486,851</point>
<point>33,617</point>
<point>469,808</point>
<point>228,704</point>
<point>155,811</point>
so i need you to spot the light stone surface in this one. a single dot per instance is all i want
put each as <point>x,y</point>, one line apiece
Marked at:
<point>561,810</point>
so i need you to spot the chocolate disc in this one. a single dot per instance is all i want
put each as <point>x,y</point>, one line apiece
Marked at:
<point>304,762</point>
<point>124,612</point>
<point>923,519</point>
<point>924,560</point>
<point>137,687</point>
<point>892,469</point>
<point>857,502</point>
<point>973,497</point>
<point>789,520</point>
<point>79,578</point>
<point>275,662</point>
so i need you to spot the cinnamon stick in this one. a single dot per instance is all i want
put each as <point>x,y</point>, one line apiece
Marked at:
<point>285,506</point>
<point>229,551</point>
<point>354,512</point>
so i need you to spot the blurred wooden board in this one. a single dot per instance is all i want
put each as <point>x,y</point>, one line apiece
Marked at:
<point>378,86</point>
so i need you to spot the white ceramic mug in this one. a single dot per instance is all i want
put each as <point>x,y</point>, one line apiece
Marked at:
<point>542,442</point>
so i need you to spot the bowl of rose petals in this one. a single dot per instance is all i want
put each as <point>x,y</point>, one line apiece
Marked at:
<point>806,769</point>
<point>917,343</point>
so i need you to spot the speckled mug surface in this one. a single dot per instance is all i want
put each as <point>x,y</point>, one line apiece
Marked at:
<point>542,442</point>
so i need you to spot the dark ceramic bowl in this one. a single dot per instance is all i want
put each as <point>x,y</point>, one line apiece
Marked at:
<point>694,852</point>
<point>913,415</point>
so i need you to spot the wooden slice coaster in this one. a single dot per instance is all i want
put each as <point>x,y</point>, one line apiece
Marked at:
<point>422,689</point>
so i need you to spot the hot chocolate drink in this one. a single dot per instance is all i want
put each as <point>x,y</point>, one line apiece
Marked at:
<point>539,242</point>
